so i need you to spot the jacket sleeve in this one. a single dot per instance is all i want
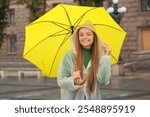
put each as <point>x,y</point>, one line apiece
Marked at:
<point>104,70</point>
<point>64,78</point>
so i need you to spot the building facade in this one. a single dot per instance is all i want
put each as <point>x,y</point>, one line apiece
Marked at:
<point>136,22</point>
<point>18,18</point>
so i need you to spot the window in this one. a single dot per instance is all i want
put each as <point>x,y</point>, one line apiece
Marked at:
<point>145,5</point>
<point>12,16</point>
<point>13,44</point>
<point>145,39</point>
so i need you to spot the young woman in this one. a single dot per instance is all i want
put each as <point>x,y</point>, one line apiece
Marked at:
<point>85,67</point>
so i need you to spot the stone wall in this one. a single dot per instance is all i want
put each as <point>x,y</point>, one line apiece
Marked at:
<point>133,22</point>
<point>18,28</point>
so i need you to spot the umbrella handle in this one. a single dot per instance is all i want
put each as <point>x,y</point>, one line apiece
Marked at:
<point>78,80</point>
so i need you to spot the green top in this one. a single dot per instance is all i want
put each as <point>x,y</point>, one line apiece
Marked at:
<point>87,56</point>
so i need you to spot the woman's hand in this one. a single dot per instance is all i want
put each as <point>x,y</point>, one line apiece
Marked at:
<point>107,49</point>
<point>77,74</point>
<point>77,78</point>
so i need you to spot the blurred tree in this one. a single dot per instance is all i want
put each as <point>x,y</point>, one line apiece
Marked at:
<point>4,8</point>
<point>96,3</point>
<point>37,7</point>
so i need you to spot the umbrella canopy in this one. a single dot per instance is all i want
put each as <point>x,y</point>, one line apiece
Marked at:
<point>48,38</point>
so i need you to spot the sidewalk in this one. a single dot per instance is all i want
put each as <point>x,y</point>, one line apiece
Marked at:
<point>121,87</point>
<point>135,82</point>
<point>138,75</point>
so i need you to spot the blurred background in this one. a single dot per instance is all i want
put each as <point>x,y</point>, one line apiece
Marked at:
<point>19,79</point>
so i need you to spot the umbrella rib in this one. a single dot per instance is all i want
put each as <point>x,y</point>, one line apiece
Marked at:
<point>82,16</point>
<point>79,20</point>
<point>113,57</point>
<point>47,21</point>
<point>67,15</point>
<point>65,39</point>
<point>45,39</point>
<point>108,26</point>
<point>57,35</point>
<point>55,23</point>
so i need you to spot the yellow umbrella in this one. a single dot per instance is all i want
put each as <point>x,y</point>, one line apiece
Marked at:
<point>48,38</point>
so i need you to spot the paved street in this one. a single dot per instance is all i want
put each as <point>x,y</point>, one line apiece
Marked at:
<point>133,87</point>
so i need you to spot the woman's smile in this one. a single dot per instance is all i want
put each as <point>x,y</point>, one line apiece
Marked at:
<point>86,37</point>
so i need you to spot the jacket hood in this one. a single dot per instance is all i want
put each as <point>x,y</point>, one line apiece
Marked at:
<point>89,25</point>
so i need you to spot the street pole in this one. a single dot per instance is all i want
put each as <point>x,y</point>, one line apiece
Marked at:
<point>117,14</point>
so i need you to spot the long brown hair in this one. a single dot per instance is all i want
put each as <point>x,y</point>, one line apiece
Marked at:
<point>94,59</point>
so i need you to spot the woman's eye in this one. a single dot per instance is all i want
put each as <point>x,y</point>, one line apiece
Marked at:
<point>80,35</point>
<point>89,34</point>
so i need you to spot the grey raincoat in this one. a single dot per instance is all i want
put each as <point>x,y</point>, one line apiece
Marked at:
<point>65,79</point>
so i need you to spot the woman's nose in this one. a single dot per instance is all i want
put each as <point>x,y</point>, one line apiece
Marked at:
<point>84,36</point>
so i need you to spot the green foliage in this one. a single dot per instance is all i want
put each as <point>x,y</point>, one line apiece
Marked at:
<point>4,7</point>
<point>96,3</point>
<point>36,7</point>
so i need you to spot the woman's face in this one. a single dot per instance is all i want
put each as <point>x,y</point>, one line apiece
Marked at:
<point>86,37</point>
